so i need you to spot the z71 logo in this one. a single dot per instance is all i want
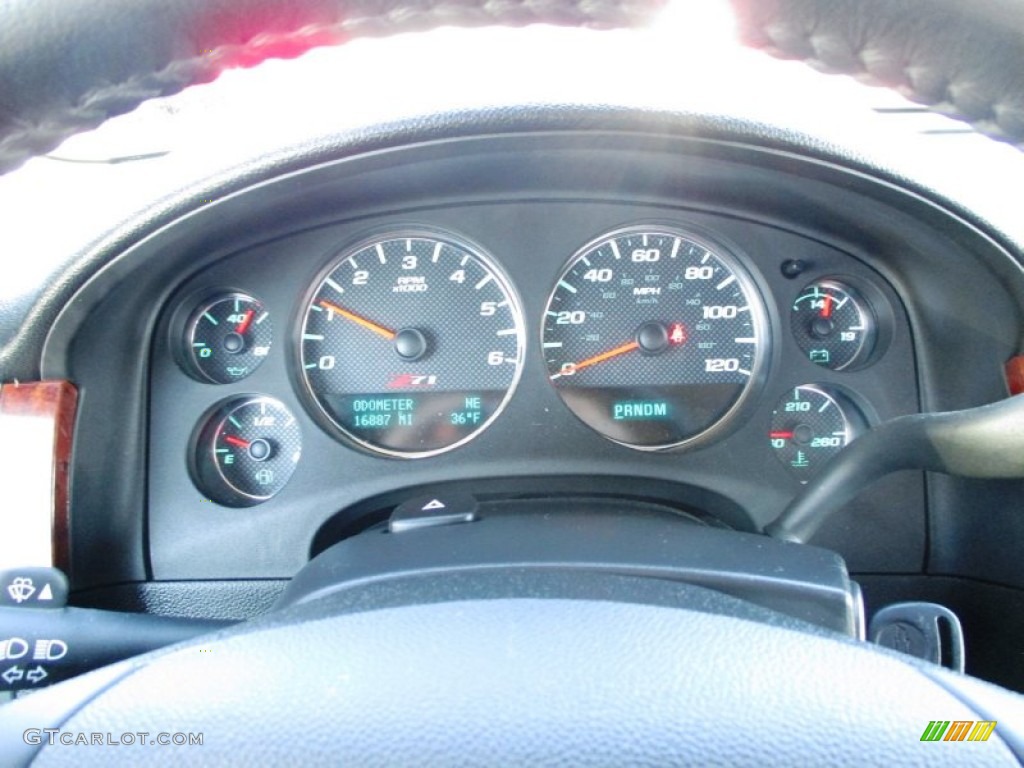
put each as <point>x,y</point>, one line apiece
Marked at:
<point>406,380</point>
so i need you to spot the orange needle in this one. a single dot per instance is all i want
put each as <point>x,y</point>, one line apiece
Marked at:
<point>606,355</point>
<point>368,324</point>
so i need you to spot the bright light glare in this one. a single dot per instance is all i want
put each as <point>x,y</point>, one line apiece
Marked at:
<point>687,61</point>
<point>701,24</point>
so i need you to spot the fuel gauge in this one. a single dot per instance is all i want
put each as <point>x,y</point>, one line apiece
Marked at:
<point>246,451</point>
<point>833,325</point>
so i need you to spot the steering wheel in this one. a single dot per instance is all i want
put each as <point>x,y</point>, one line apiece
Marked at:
<point>508,667</point>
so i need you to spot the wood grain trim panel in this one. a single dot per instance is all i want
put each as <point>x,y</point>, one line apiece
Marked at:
<point>51,405</point>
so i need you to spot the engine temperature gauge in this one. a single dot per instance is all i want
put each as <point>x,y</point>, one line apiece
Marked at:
<point>811,425</point>
<point>833,325</point>
<point>246,451</point>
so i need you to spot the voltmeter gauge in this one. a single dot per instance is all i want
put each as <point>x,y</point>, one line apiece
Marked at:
<point>245,452</point>
<point>809,426</point>
<point>228,338</point>
<point>834,325</point>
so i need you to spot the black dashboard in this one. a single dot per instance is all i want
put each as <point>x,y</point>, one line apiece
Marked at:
<point>799,231</point>
<point>642,395</point>
<point>536,439</point>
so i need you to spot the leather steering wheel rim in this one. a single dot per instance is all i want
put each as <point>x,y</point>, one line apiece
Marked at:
<point>576,668</point>
<point>67,67</point>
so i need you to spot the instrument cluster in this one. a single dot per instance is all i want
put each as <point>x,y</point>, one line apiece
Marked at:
<point>410,342</point>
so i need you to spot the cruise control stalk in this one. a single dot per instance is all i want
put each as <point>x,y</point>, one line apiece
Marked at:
<point>983,442</point>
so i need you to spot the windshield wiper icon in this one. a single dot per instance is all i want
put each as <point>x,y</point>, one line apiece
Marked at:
<point>21,589</point>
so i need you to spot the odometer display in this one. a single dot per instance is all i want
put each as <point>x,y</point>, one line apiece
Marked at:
<point>653,336</point>
<point>411,344</point>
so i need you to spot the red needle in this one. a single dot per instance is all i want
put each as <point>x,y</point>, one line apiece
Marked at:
<point>243,326</point>
<point>826,311</point>
<point>781,435</point>
<point>236,441</point>
<point>606,356</point>
<point>387,333</point>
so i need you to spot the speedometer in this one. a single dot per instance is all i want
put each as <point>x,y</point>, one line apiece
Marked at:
<point>411,343</point>
<point>654,336</point>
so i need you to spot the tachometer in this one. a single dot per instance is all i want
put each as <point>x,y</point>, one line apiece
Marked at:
<point>653,336</point>
<point>411,343</point>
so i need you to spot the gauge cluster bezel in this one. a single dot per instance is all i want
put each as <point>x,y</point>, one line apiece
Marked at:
<point>536,435</point>
<point>537,439</point>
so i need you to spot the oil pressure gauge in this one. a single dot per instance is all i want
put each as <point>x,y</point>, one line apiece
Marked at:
<point>228,337</point>
<point>833,325</point>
